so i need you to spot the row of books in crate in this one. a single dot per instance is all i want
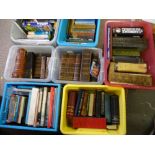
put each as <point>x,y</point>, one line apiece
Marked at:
<point>85,109</point>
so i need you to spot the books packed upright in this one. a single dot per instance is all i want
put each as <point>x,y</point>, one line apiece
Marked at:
<point>92,109</point>
<point>29,105</point>
<point>81,30</point>
<point>29,64</point>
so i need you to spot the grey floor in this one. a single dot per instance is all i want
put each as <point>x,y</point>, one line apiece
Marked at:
<point>140,103</point>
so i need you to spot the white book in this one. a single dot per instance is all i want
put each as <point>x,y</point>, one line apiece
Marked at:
<point>33,103</point>
<point>43,109</point>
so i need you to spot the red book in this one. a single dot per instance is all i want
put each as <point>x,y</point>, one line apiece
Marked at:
<point>89,122</point>
<point>50,112</point>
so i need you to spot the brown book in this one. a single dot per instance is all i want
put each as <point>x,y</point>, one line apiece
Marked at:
<point>84,111</point>
<point>47,63</point>
<point>72,98</point>
<point>85,65</point>
<point>19,68</point>
<point>37,66</point>
<point>43,67</point>
<point>128,78</point>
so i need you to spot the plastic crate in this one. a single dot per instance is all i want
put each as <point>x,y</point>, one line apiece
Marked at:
<point>148,55</point>
<point>56,63</point>
<point>10,63</point>
<point>65,129</point>
<point>3,113</point>
<point>18,37</point>
<point>62,33</point>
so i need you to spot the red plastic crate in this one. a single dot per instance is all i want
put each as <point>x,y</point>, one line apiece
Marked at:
<point>148,55</point>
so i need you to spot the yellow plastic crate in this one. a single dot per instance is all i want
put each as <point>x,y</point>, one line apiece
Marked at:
<point>65,129</point>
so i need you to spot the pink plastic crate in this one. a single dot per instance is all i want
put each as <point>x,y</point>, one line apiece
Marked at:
<point>148,55</point>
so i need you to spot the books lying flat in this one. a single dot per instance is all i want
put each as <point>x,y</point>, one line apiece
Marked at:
<point>128,78</point>
<point>126,59</point>
<point>131,67</point>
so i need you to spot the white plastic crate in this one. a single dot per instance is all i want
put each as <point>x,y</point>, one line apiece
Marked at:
<point>56,64</point>
<point>10,63</point>
<point>18,36</point>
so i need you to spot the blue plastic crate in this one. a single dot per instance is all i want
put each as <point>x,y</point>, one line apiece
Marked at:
<point>62,33</point>
<point>3,113</point>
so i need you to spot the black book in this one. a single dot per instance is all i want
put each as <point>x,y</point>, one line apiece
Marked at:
<point>102,104</point>
<point>114,106</point>
<point>98,104</point>
<point>29,65</point>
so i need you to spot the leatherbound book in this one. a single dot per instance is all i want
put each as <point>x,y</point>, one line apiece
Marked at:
<point>89,122</point>
<point>107,108</point>
<point>127,59</point>
<point>63,66</point>
<point>37,66</point>
<point>84,111</point>
<point>19,68</point>
<point>29,67</point>
<point>77,67</point>
<point>129,42</point>
<point>79,96</point>
<point>131,67</point>
<point>98,103</point>
<point>80,103</point>
<point>128,78</point>
<point>43,67</point>
<point>72,98</point>
<point>114,105</point>
<point>85,65</point>
<point>125,52</point>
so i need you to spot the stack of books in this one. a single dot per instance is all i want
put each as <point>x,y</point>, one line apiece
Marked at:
<point>92,109</point>
<point>127,65</point>
<point>30,65</point>
<point>38,28</point>
<point>31,106</point>
<point>79,66</point>
<point>81,30</point>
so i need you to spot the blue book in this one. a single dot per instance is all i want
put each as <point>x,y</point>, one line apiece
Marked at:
<point>79,98</point>
<point>28,108</point>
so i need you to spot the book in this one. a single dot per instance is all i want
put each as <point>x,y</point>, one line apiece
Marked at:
<point>107,108</point>
<point>43,67</point>
<point>79,96</point>
<point>29,65</point>
<point>50,112</point>
<point>89,122</point>
<point>126,52</point>
<point>21,109</point>
<point>77,67</point>
<point>19,68</point>
<point>40,105</point>
<point>47,109</point>
<point>72,96</point>
<point>98,104</point>
<point>47,65</point>
<point>114,105</point>
<point>32,108</point>
<point>80,103</point>
<point>37,66</point>
<point>91,103</point>
<point>54,108</point>
<point>43,108</point>
<point>128,78</point>
<point>102,104</point>
<point>84,111</point>
<point>131,67</point>
<point>127,59</point>
<point>17,108</point>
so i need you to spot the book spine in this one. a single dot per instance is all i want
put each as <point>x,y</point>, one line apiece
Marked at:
<point>91,104</point>
<point>50,120</point>
<point>98,104</point>
<point>102,104</point>
<point>77,67</point>
<point>80,103</point>
<point>43,67</point>
<point>17,108</point>
<point>37,66</point>
<point>47,110</point>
